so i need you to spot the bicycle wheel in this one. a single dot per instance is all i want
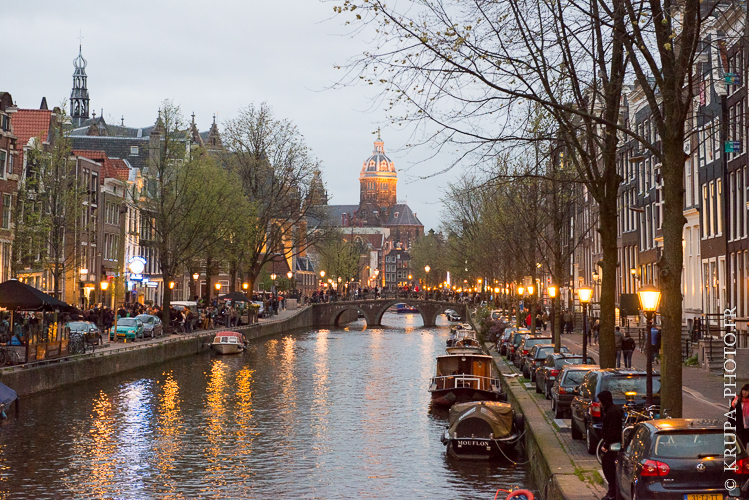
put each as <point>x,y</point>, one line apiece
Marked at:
<point>599,453</point>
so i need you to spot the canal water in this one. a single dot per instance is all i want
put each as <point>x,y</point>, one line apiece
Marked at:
<point>326,414</point>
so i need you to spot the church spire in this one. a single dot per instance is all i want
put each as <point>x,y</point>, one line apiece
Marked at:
<point>79,95</point>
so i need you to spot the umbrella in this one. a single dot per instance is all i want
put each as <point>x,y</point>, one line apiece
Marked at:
<point>17,295</point>
<point>7,395</point>
<point>235,296</point>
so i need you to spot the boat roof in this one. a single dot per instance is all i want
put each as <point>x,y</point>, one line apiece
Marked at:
<point>465,354</point>
<point>228,333</point>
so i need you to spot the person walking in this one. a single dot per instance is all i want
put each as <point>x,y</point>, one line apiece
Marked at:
<point>611,433</point>
<point>739,414</point>
<point>545,319</point>
<point>567,317</point>
<point>628,347</point>
<point>618,338</point>
<point>596,331</point>
<point>655,343</point>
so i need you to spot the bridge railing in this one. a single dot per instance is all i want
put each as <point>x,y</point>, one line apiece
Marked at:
<point>393,295</point>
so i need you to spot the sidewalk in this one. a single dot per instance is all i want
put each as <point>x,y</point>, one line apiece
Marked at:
<point>703,391</point>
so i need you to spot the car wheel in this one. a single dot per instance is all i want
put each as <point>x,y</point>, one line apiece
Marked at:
<point>590,442</point>
<point>576,434</point>
<point>526,374</point>
<point>538,389</point>
<point>547,392</point>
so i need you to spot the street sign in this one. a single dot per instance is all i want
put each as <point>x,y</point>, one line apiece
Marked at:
<point>732,78</point>
<point>733,146</point>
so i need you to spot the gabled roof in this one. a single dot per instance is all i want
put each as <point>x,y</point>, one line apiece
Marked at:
<point>402,215</point>
<point>108,170</point>
<point>336,212</point>
<point>29,123</point>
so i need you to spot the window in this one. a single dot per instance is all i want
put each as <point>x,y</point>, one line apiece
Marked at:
<point>396,215</point>
<point>133,150</point>
<point>719,207</point>
<point>7,200</point>
<point>3,161</point>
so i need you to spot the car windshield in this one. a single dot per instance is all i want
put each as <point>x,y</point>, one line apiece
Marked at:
<point>572,361</point>
<point>689,444</point>
<point>145,319</point>
<point>542,352</point>
<point>531,342</point>
<point>127,322</point>
<point>78,325</point>
<point>621,385</point>
<point>518,338</point>
<point>574,377</point>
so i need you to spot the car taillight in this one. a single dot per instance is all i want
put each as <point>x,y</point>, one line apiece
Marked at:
<point>525,353</point>
<point>562,390</point>
<point>553,373</point>
<point>595,409</point>
<point>653,468</point>
<point>742,466</point>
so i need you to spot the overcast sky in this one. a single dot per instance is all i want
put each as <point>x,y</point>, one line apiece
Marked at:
<point>215,57</point>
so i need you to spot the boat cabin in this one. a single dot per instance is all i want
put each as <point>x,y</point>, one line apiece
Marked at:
<point>464,371</point>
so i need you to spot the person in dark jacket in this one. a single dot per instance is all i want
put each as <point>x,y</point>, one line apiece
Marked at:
<point>628,347</point>
<point>611,433</point>
<point>740,414</point>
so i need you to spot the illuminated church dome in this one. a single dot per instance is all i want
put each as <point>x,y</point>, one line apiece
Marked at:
<point>378,178</point>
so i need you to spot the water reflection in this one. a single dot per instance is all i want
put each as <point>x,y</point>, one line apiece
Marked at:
<point>322,414</point>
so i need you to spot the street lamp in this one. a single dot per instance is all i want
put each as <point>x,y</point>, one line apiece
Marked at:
<point>218,288</point>
<point>171,285</point>
<point>585,293</point>
<point>245,286</point>
<point>649,297</point>
<point>520,291</point>
<point>195,276</point>
<point>552,291</point>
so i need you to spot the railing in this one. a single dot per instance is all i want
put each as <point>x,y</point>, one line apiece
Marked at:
<point>465,381</point>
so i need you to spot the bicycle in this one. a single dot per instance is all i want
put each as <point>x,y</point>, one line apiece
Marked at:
<point>9,357</point>
<point>79,345</point>
<point>633,416</point>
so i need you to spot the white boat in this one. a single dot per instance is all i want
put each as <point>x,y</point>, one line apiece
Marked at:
<point>228,343</point>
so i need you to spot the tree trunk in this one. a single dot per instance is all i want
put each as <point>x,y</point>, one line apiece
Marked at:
<point>607,223</point>
<point>166,306</point>
<point>671,265</point>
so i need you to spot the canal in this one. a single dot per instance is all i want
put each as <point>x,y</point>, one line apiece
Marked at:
<point>324,414</point>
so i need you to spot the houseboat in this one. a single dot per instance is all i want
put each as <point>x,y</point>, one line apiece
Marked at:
<point>482,430</point>
<point>464,376</point>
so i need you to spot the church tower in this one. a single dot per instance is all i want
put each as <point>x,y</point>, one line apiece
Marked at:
<point>378,178</point>
<point>79,94</point>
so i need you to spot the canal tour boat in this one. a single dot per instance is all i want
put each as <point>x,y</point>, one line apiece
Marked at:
<point>482,430</point>
<point>228,343</point>
<point>405,308</point>
<point>464,376</point>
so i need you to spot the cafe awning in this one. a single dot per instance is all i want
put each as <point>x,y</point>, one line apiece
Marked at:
<point>17,295</point>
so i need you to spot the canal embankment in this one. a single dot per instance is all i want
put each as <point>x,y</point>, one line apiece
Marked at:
<point>117,358</point>
<point>557,470</point>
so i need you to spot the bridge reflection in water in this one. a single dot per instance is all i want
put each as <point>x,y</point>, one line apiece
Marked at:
<point>338,413</point>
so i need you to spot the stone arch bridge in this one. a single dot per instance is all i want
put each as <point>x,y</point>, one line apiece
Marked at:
<point>328,314</point>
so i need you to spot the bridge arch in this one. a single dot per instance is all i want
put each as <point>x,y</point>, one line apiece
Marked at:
<point>329,314</point>
<point>429,309</point>
<point>352,307</point>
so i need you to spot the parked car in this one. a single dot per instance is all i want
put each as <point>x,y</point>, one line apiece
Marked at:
<point>129,329</point>
<point>679,459</point>
<point>547,372</point>
<point>87,328</point>
<point>504,340</point>
<point>517,337</point>
<point>496,315</point>
<point>626,386</point>
<point>525,347</point>
<point>563,390</point>
<point>536,357</point>
<point>151,324</point>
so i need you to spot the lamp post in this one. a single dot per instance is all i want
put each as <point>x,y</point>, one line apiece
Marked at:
<point>426,279</point>
<point>218,288</point>
<point>530,291</point>
<point>520,291</point>
<point>195,277</point>
<point>103,286</point>
<point>552,291</point>
<point>273,277</point>
<point>585,293</point>
<point>649,297</point>
<point>289,275</point>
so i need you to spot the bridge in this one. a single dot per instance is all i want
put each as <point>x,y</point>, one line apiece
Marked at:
<point>329,313</point>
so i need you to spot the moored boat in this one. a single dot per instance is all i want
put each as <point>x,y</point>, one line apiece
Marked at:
<point>482,430</point>
<point>464,376</point>
<point>228,343</point>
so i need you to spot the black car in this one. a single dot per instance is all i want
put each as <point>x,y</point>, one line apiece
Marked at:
<point>626,387</point>
<point>679,459</point>
<point>547,372</point>
<point>517,338</point>
<point>562,392</point>
<point>525,348</point>
<point>536,357</point>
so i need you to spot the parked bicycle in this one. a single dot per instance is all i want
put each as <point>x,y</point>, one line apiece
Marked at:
<point>79,345</point>
<point>9,357</point>
<point>633,415</point>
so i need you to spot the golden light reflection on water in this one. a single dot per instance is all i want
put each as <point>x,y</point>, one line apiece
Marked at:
<point>246,431</point>
<point>170,429</point>
<point>216,427</point>
<point>288,383</point>
<point>321,400</point>
<point>102,447</point>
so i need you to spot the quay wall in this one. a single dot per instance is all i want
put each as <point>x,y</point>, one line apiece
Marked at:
<point>75,369</point>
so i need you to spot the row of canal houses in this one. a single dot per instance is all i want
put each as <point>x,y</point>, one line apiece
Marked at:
<point>110,161</point>
<point>716,234</point>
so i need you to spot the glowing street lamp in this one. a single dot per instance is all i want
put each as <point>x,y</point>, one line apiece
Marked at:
<point>104,285</point>
<point>245,286</point>
<point>171,285</point>
<point>650,298</point>
<point>552,291</point>
<point>195,276</point>
<point>585,293</point>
